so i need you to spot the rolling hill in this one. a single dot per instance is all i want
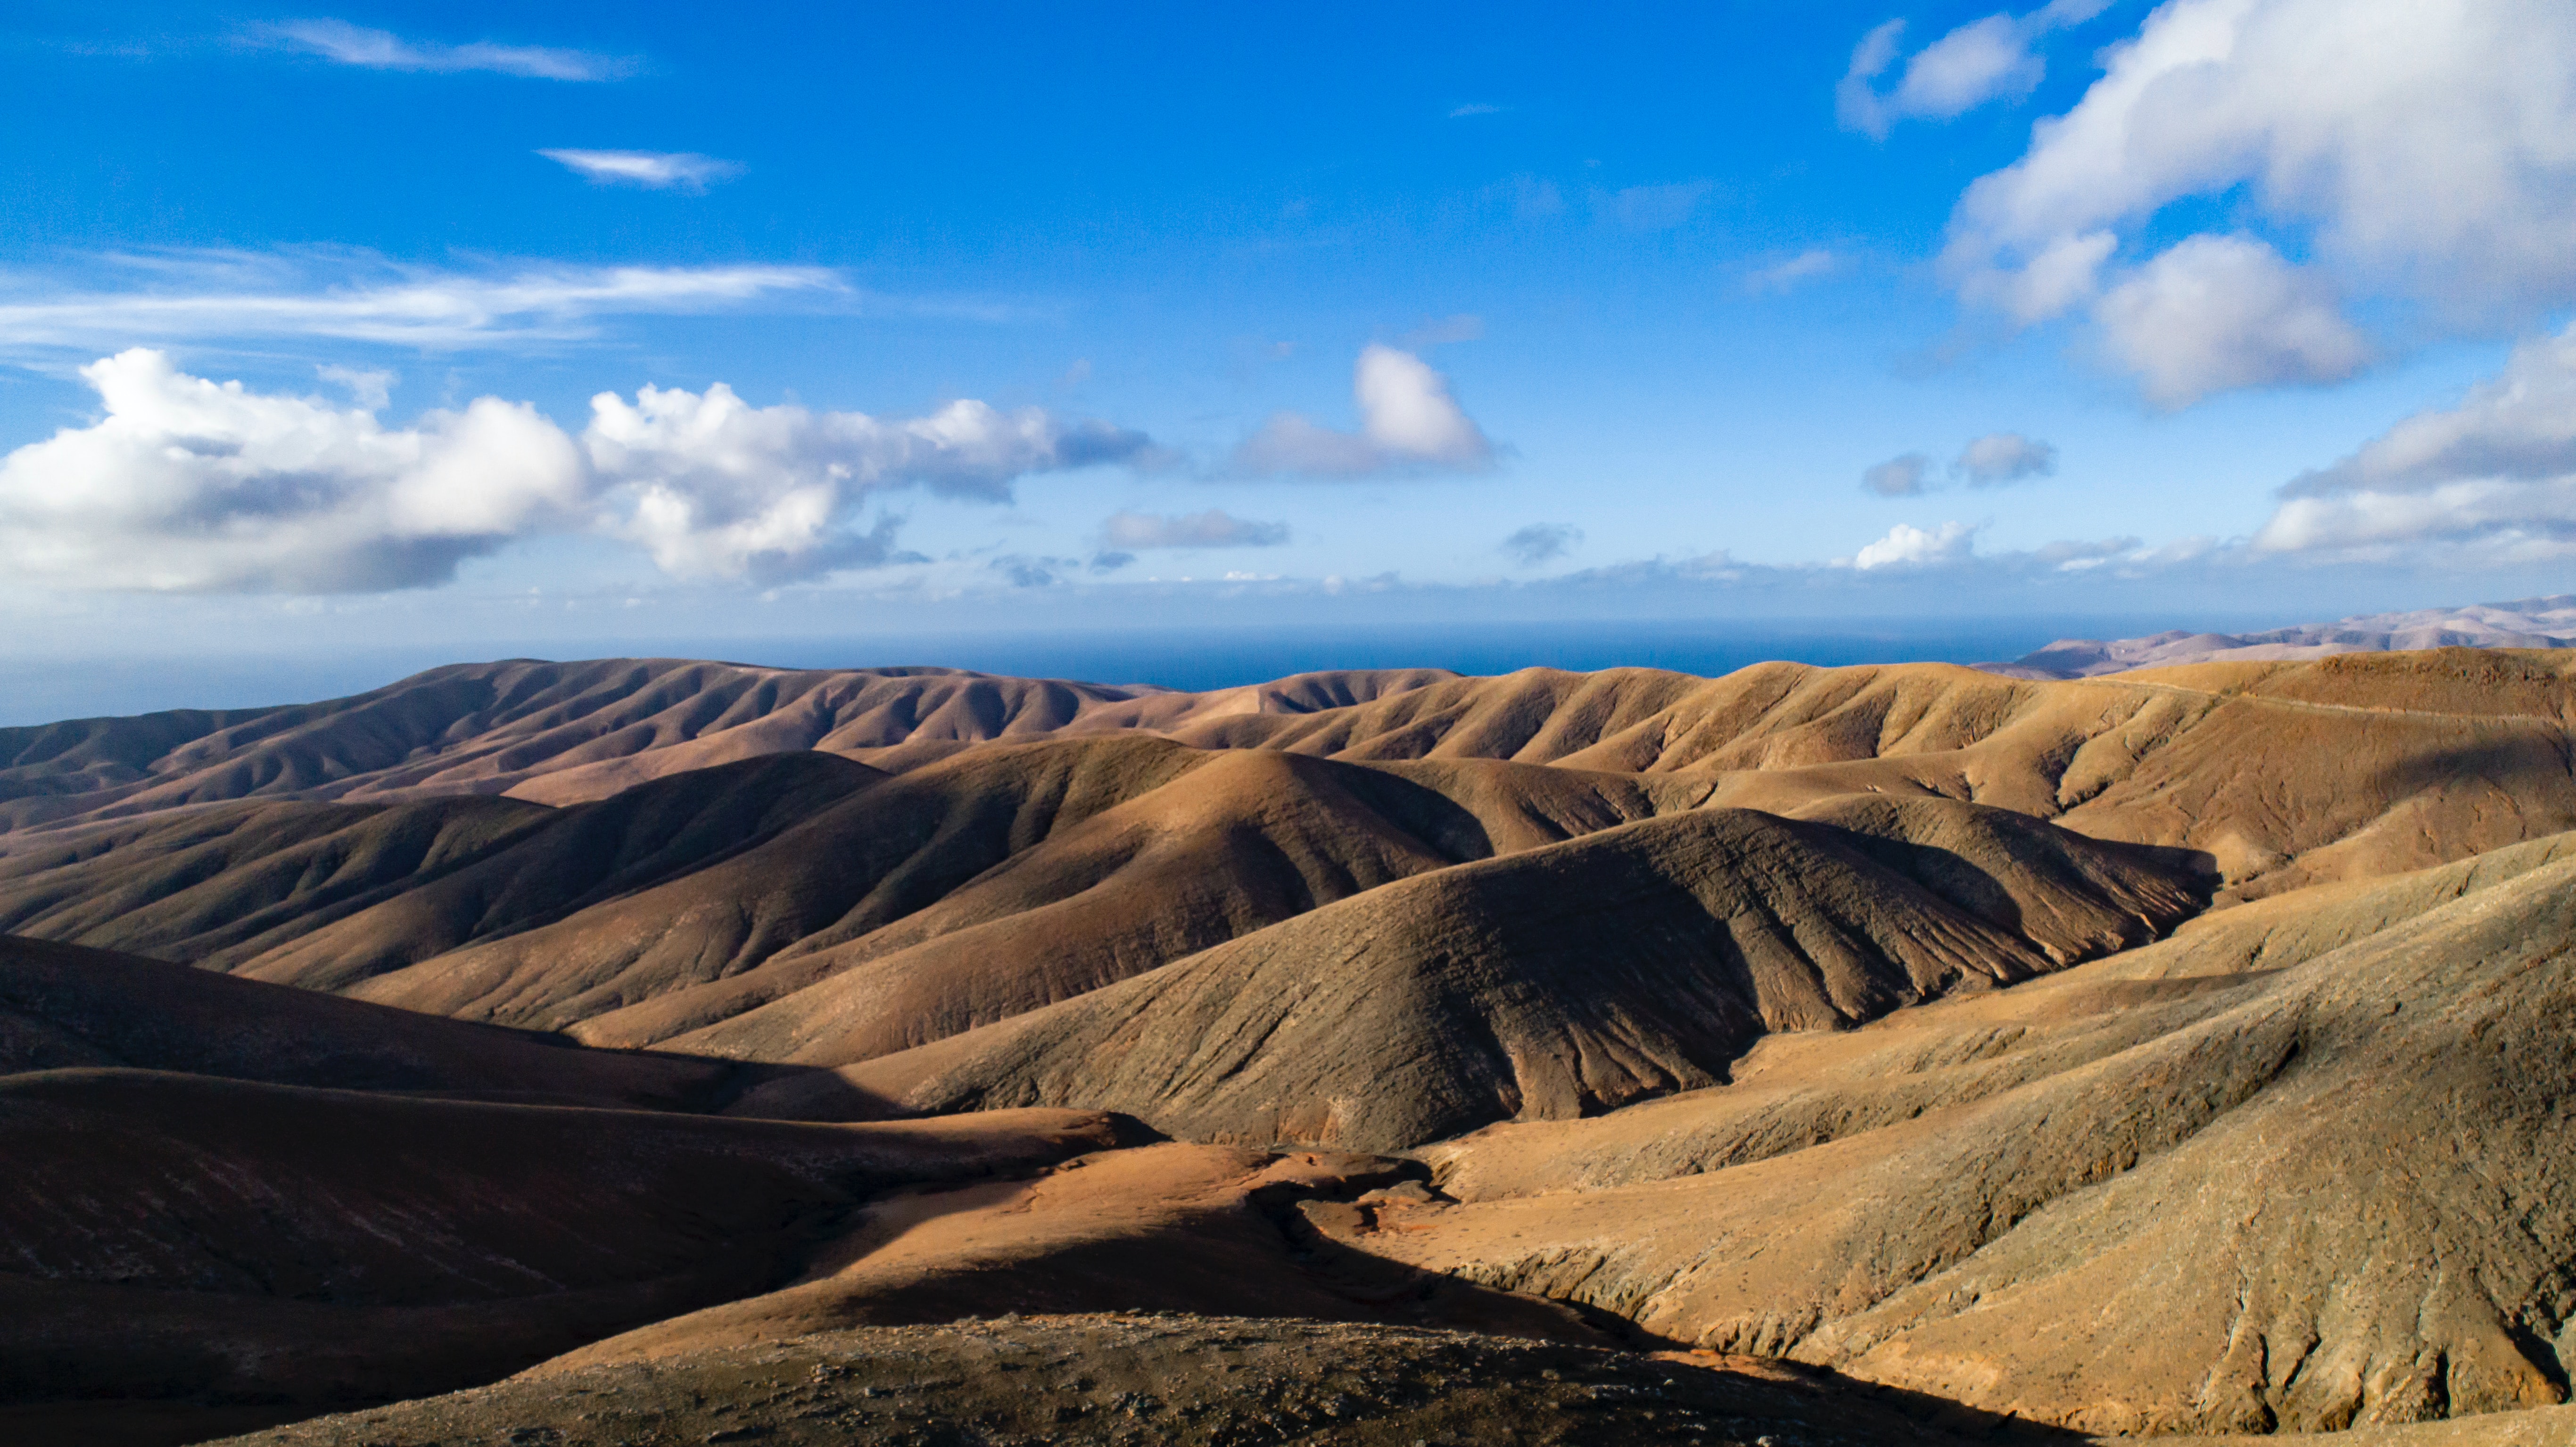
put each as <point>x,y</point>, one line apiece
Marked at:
<point>2178,1050</point>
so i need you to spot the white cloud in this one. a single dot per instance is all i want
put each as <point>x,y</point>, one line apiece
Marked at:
<point>2519,426</point>
<point>1981,61</point>
<point>1784,276</point>
<point>1900,476</point>
<point>1906,546</point>
<point>720,488</point>
<point>1541,542</point>
<point>1477,108</point>
<point>371,388</point>
<point>190,485</point>
<point>2492,478</point>
<point>2002,457</point>
<point>187,484</point>
<point>2220,312</point>
<point>1127,530</point>
<point>1408,422</point>
<point>191,296</point>
<point>338,40</point>
<point>653,170</point>
<point>2423,149</point>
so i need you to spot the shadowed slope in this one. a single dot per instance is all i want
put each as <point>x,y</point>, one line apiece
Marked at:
<point>62,1006</point>
<point>1240,842</point>
<point>1185,1381</point>
<point>2307,1163</point>
<point>326,895</point>
<point>177,1236</point>
<point>966,891</point>
<point>853,867</point>
<point>1556,982</point>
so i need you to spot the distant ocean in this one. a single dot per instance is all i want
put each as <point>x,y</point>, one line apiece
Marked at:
<point>44,690</point>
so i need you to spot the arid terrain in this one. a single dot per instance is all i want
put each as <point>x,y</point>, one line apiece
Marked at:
<point>668,1051</point>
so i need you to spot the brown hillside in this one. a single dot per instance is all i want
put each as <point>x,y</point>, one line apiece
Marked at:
<point>179,1238</point>
<point>1240,842</point>
<point>1551,983</point>
<point>2304,1164</point>
<point>569,732</point>
<point>1187,1381</point>
<point>64,1007</point>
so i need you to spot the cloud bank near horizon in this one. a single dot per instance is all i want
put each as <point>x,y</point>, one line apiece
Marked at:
<point>190,485</point>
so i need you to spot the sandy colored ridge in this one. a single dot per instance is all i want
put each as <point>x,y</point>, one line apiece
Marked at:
<point>2527,623</point>
<point>564,732</point>
<point>2181,1051</point>
<point>806,904</point>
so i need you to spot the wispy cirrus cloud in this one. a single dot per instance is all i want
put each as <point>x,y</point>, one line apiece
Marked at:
<point>214,297</point>
<point>653,170</point>
<point>346,44</point>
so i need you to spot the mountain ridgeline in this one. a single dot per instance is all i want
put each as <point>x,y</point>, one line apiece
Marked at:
<point>2180,1050</point>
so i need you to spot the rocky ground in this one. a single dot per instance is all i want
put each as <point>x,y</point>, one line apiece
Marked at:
<point>1181,1380</point>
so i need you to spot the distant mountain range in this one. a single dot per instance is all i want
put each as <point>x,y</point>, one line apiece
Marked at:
<point>2530,623</point>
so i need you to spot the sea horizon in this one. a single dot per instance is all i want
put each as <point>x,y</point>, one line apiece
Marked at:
<point>46,689</point>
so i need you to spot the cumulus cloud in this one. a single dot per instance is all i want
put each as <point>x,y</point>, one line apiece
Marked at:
<point>186,484</point>
<point>1128,531</point>
<point>1408,423</point>
<point>354,297</point>
<point>1900,476</point>
<point>2221,312</point>
<point>1906,546</point>
<point>347,44</point>
<point>191,485</point>
<point>1783,277</point>
<point>1541,542</point>
<point>2423,150</point>
<point>718,488</point>
<point>653,170</point>
<point>1981,61</point>
<point>2002,457</point>
<point>2492,477</point>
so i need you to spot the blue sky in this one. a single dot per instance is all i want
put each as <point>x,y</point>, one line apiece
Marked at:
<point>1037,317</point>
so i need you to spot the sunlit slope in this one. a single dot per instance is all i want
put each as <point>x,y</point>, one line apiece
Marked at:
<point>238,884</point>
<point>2307,1163</point>
<point>2286,773</point>
<point>952,895</point>
<point>566,732</point>
<point>1558,981</point>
